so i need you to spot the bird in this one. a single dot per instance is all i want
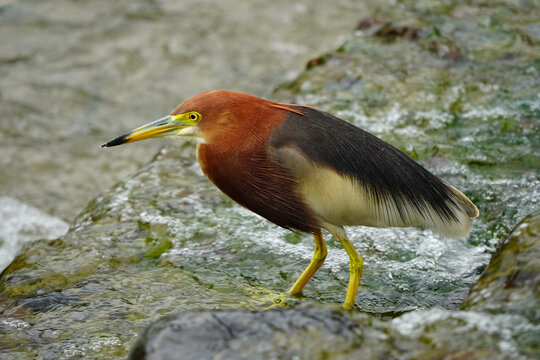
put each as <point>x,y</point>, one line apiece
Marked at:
<point>306,170</point>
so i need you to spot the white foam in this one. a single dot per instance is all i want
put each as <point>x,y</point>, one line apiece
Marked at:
<point>504,326</point>
<point>10,323</point>
<point>91,346</point>
<point>21,223</point>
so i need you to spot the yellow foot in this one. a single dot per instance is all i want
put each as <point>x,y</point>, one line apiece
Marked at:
<point>268,299</point>
<point>280,300</point>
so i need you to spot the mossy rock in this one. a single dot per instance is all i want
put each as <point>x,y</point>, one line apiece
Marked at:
<point>511,281</point>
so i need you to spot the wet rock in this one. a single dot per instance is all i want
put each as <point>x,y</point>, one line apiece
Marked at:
<point>48,302</point>
<point>387,30</point>
<point>302,333</point>
<point>309,332</point>
<point>511,282</point>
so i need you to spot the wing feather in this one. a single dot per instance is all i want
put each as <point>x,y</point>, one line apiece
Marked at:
<point>345,167</point>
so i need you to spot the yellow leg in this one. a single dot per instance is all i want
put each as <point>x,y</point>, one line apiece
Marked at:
<point>356,267</point>
<point>317,261</point>
<point>356,264</point>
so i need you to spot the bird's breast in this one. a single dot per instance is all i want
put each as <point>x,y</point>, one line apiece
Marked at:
<point>253,180</point>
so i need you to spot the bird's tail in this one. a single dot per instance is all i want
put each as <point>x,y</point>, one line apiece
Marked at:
<point>463,212</point>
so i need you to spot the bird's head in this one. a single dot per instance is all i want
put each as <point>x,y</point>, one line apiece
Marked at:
<point>207,117</point>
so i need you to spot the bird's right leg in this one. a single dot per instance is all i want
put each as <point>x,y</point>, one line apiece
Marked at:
<point>317,261</point>
<point>356,265</point>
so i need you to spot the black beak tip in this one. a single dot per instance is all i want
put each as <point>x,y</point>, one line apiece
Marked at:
<point>116,141</point>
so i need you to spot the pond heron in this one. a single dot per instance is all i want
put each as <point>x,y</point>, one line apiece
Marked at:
<point>306,170</point>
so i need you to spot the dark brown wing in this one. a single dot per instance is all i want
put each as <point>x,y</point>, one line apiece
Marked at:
<point>381,170</point>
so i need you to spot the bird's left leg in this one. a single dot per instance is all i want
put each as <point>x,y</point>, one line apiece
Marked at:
<point>317,261</point>
<point>356,264</point>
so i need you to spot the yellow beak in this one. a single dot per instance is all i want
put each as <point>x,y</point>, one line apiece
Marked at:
<point>168,125</point>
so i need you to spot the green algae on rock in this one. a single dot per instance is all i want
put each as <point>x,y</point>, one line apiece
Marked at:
<point>511,282</point>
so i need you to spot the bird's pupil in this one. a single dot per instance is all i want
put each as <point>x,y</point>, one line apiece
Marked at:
<point>193,116</point>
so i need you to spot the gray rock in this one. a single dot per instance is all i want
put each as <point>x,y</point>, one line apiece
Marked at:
<point>301,333</point>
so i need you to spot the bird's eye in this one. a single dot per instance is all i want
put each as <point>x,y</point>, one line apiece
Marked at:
<point>193,116</point>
